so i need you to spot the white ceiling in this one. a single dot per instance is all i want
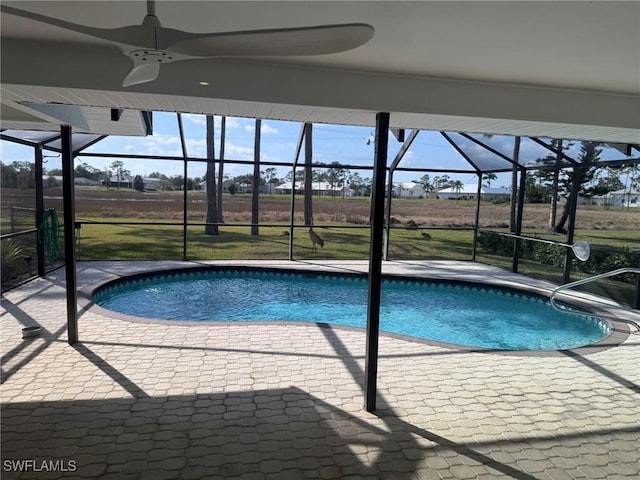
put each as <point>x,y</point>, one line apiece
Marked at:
<point>563,69</point>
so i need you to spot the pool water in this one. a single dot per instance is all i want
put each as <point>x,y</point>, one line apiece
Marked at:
<point>445,312</point>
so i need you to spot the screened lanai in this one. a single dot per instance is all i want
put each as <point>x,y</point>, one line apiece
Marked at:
<point>474,155</point>
<point>539,87</point>
<point>520,102</point>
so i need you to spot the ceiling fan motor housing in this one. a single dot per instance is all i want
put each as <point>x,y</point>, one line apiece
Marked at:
<point>152,56</point>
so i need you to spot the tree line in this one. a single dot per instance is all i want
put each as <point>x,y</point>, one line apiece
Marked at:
<point>22,175</point>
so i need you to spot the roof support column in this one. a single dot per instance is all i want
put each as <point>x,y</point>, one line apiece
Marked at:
<point>255,190</point>
<point>68,205</point>
<point>518,232</point>
<point>185,185</point>
<point>403,150</point>
<point>477,218</point>
<point>303,133</point>
<point>375,260</point>
<point>520,206</point>
<point>39,208</point>
<point>573,206</point>
<point>387,221</point>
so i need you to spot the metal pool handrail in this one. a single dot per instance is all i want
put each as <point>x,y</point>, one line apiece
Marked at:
<point>566,286</point>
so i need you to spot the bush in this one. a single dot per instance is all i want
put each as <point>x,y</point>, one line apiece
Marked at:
<point>138,183</point>
<point>10,256</point>
<point>495,243</point>
<point>600,261</point>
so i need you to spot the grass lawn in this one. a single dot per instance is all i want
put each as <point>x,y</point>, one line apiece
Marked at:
<point>446,221</point>
<point>152,242</point>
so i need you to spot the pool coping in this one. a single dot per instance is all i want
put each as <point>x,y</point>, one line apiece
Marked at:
<point>619,330</point>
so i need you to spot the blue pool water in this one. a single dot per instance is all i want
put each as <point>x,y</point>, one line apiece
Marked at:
<point>445,312</point>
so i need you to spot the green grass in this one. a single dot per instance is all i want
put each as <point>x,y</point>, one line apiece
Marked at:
<point>150,241</point>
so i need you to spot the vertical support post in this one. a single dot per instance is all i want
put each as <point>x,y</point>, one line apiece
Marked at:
<point>513,221</point>
<point>573,206</point>
<point>375,260</point>
<point>255,197</point>
<point>212,217</point>
<point>303,132</point>
<point>185,186</point>
<point>39,170</point>
<point>387,223</point>
<point>68,204</point>
<point>518,242</point>
<point>223,134</point>
<point>308,175</point>
<point>636,303</point>
<point>477,218</point>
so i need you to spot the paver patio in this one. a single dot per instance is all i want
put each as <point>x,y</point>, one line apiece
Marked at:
<point>141,400</point>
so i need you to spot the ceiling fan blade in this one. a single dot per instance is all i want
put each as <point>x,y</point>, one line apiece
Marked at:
<point>132,35</point>
<point>319,40</point>
<point>141,74</point>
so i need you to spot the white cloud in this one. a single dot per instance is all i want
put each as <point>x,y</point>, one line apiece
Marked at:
<point>237,152</point>
<point>267,129</point>
<point>197,119</point>
<point>232,122</point>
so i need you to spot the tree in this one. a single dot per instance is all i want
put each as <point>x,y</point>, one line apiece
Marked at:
<point>245,179</point>
<point>162,177</point>
<point>441,182</point>
<point>210,178</point>
<point>534,191</point>
<point>176,182</point>
<point>299,176</point>
<point>138,183</point>
<point>118,167</point>
<point>8,176</point>
<point>87,171</point>
<point>488,178</point>
<point>457,186</point>
<point>19,175</point>
<point>360,186</point>
<point>335,174</point>
<point>551,179</point>
<point>610,182</point>
<point>632,181</point>
<point>580,175</point>
<point>232,188</point>
<point>425,182</point>
<point>270,177</point>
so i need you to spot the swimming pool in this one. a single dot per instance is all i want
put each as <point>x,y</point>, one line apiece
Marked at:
<point>442,311</point>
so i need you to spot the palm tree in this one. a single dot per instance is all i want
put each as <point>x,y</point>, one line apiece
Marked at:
<point>488,178</point>
<point>457,186</point>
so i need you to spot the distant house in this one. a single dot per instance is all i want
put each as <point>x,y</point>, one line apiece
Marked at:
<point>126,181</point>
<point>619,198</point>
<point>240,187</point>
<point>56,181</point>
<point>469,191</point>
<point>87,182</point>
<point>152,183</point>
<point>407,190</point>
<point>321,189</point>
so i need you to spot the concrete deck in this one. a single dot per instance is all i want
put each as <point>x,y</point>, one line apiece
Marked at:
<point>136,400</point>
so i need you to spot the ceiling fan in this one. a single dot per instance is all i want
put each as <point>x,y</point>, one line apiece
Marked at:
<point>150,44</point>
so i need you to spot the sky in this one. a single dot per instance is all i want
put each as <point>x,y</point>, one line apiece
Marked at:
<point>346,144</point>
